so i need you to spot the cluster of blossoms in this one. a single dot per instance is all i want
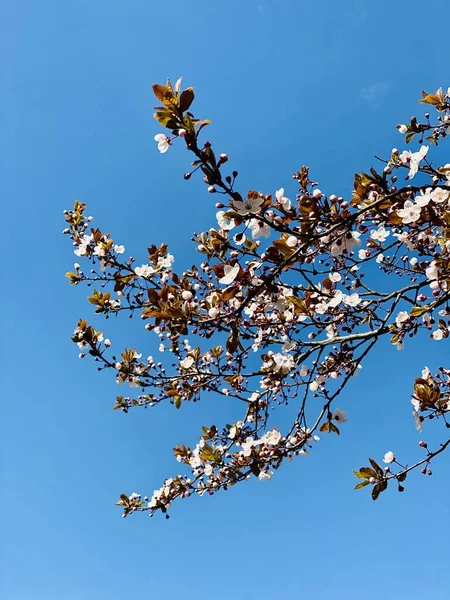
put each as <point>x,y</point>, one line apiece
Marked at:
<point>283,307</point>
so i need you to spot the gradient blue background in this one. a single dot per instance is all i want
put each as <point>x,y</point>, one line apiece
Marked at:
<point>286,83</point>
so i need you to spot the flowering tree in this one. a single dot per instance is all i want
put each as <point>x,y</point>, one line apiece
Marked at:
<point>283,307</point>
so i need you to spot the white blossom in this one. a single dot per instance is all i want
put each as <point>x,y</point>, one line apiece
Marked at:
<point>380,234</point>
<point>144,271</point>
<point>271,438</point>
<point>339,415</point>
<point>163,142</point>
<point>281,199</point>
<point>413,159</point>
<point>410,212</point>
<point>225,222</point>
<point>283,363</point>
<point>389,457</point>
<point>230,274</point>
<point>82,247</point>
<point>351,300</point>
<point>258,228</point>
<point>187,362</point>
<point>401,318</point>
<point>251,205</point>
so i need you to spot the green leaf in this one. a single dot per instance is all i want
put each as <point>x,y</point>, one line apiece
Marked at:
<point>232,342</point>
<point>165,95</point>
<point>166,119</point>
<point>431,99</point>
<point>207,453</point>
<point>365,473</point>
<point>361,485</point>
<point>418,311</point>
<point>376,466</point>
<point>376,491</point>
<point>186,99</point>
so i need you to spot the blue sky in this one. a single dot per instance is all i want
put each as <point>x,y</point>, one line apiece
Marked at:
<point>285,83</point>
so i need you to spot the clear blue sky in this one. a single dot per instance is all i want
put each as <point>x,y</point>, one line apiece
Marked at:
<point>286,83</point>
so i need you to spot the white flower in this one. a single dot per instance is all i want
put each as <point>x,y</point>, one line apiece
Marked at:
<point>239,238</point>
<point>82,248</point>
<point>402,128</point>
<point>313,386</point>
<point>438,334</point>
<point>345,242</point>
<point>225,222</point>
<point>413,158</point>
<point>166,261</point>
<point>439,195</point>
<point>195,461</point>
<point>271,438</point>
<point>389,457</point>
<point>339,415</point>
<point>281,199</point>
<point>426,373</point>
<point>247,446</point>
<point>213,312</point>
<point>380,258</point>
<point>230,274</point>
<point>251,205</point>
<point>432,271</point>
<point>163,142</point>
<point>187,362</point>
<point>265,474</point>
<point>99,250</point>
<point>352,300</point>
<point>186,295</point>
<point>424,198</point>
<point>144,271</point>
<point>288,346</point>
<point>334,277</point>
<point>291,241</point>
<point>362,254</point>
<point>335,300</point>
<point>119,249</point>
<point>417,420</point>
<point>258,228</point>
<point>380,234</point>
<point>410,212</point>
<point>283,363</point>
<point>401,318</point>
<point>304,371</point>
